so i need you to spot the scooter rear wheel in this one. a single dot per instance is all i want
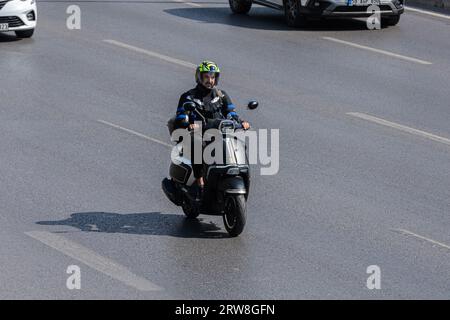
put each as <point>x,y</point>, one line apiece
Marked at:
<point>235,215</point>
<point>190,211</point>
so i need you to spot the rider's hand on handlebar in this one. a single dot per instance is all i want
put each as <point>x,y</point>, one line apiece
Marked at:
<point>245,125</point>
<point>193,126</point>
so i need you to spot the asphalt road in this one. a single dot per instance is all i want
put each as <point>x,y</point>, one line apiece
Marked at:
<point>352,191</point>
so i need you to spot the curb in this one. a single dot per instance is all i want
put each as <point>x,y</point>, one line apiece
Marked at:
<point>438,5</point>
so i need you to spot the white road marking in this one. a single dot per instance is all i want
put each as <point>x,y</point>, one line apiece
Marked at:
<point>152,54</point>
<point>135,133</point>
<point>406,232</point>
<point>388,53</point>
<point>93,260</point>
<point>400,127</point>
<point>431,13</point>
<point>189,3</point>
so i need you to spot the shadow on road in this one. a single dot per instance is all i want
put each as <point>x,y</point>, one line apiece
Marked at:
<point>152,223</point>
<point>262,18</point>
<point>8,38</point>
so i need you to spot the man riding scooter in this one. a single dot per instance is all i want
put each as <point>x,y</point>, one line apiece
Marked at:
<point>215,104</point>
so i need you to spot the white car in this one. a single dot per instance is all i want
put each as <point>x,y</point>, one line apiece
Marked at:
<point>18,16</point>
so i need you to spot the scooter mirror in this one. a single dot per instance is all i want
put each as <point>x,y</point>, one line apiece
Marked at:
<point>189,106</point>
<point>253,104</point>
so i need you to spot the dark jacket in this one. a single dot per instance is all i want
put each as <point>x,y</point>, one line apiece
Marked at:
<point>214,104</point>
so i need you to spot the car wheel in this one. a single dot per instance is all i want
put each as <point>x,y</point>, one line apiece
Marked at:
<point>240,6</point>
<point>25,33</point>
<point>292,14</point>
<point>390,21</point>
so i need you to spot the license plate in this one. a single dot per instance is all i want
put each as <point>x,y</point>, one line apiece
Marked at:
<point>362,2</point>
<point>4,27</point>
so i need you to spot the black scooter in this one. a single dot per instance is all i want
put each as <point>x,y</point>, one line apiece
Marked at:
<point>226,184</point>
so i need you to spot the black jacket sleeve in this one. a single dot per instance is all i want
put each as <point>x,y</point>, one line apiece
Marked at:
<point>182,116</point>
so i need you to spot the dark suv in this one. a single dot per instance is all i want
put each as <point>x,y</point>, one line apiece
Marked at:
<point>297,12</point>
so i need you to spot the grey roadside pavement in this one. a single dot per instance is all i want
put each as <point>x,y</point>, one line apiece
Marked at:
<point>440,6</point>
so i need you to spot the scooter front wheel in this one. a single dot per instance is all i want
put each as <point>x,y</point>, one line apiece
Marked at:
<point>235,214</point>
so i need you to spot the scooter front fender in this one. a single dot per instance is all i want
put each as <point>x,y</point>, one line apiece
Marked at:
<point>233,185</point>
